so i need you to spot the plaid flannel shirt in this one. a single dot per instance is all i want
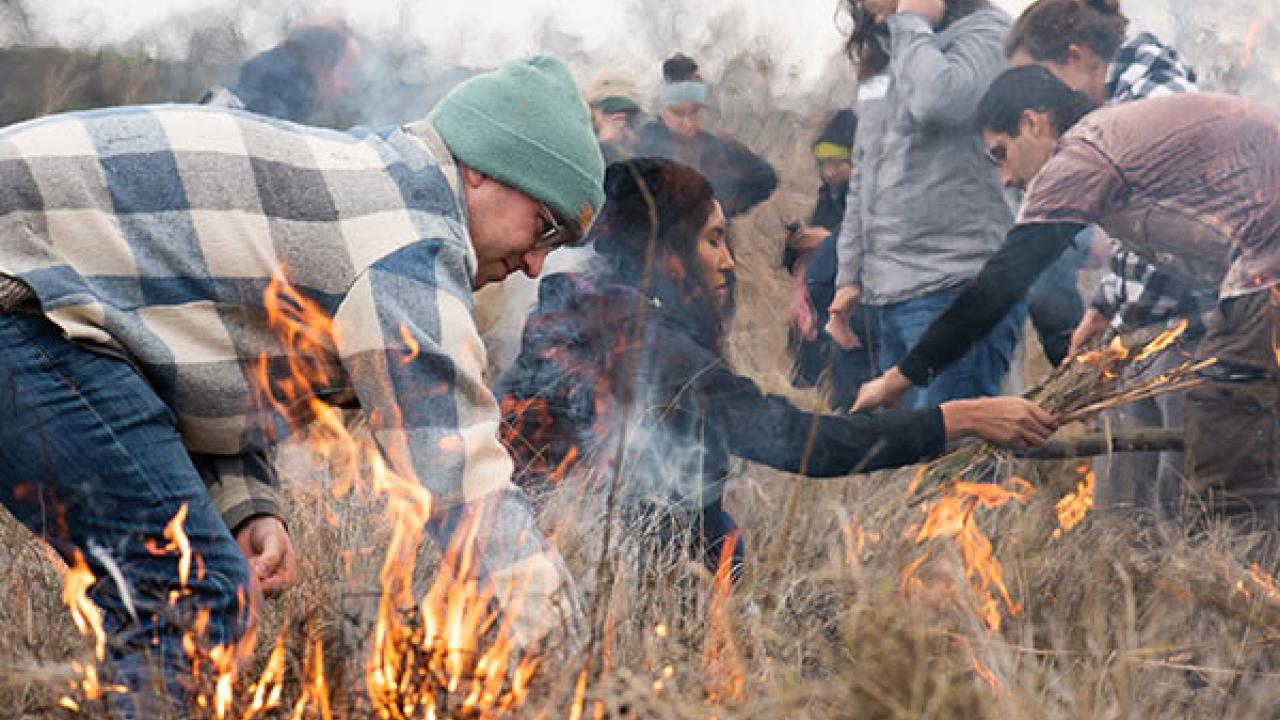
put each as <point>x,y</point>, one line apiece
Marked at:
<point>1134,293</point>
<point>153,232</point>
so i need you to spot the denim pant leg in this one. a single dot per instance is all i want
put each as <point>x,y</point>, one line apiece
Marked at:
<point>1055,304</point>
<point>893,346</point>
<point>91,461</point>
<point>978,374</point>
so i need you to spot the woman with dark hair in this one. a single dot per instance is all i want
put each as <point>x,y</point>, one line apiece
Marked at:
<point>925,209</point>
<point>1083,43</point>
<point>633,350</point>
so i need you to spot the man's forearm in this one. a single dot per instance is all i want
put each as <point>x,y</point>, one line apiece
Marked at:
<point>1004,281</point>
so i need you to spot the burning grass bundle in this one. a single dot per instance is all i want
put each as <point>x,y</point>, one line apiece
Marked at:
<point>980,476</point>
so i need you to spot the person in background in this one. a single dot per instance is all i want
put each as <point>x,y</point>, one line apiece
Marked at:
<point>1082,42</point>
<point>925,207</point>
<point>307,73</point>
<point>137,245</point>
<point>1188,181</point>
<point>615,114</point>
<point>810,256</point>
<point>741,178</point>
<point>573,393</point>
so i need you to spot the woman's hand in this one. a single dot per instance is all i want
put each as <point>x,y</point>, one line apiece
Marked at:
<point>880,9</point>
<point>1010,422</point>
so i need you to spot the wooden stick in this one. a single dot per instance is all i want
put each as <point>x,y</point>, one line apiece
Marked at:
<point>1089,444</point>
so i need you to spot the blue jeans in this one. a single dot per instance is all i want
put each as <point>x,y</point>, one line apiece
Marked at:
<point>91,461</point>
<point>978,374</point>
<point>1054,300</point>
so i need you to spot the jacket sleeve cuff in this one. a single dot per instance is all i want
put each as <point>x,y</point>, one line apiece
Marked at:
<point>933,432</point>
<point>908,22</point>
<point>916,369</point>
<point>242,486</point>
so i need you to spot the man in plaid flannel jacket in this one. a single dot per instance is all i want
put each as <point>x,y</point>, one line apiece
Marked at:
<point>137,244</point>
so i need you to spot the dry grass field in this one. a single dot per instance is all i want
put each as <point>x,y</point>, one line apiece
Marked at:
<point>1115,621</point>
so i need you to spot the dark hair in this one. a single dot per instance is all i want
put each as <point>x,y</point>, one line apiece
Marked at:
<point>864,46</point>
<point>680,68</point>
<point>636,192</point>
<point>319,47</point>
<point>281,82</point>
<point>1030,88</point>
<point>1046,29</point>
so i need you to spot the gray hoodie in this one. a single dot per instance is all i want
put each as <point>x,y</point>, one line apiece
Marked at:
<point>925,208</point>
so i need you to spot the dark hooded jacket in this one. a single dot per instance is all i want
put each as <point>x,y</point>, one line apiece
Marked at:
<point>690,413</point>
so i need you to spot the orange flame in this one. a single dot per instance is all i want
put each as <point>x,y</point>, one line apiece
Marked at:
<point>720,659</point>
<point>1074,506</point>
<point>412,348</point>
<point>1162,342</point>
<point>442,654</point>
<point>88,621</point>
<point>952,516</point>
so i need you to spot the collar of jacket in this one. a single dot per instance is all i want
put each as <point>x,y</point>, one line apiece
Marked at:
<point>425,133</point>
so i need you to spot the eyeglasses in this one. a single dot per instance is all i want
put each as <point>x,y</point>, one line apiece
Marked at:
<point>553,233</point>
<point>997,154</point>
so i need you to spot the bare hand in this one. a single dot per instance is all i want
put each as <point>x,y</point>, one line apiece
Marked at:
<point>843,336</point>
<point>932,10</point>
<point>885,391</point>
<point>1010,422</point>
<point>845,300</point>
<point>807,239</point>
<point>880,9</point>
<point>1091,328</point>
<point>266,544</point>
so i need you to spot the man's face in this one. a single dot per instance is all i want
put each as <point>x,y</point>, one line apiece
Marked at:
<point>683,119</point>
<point>506,229</point>
<point>1020,158</point>
<point>835,172</point>
<point>611,127</point>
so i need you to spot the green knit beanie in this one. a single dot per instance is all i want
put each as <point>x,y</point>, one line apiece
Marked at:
<point>526,125</point>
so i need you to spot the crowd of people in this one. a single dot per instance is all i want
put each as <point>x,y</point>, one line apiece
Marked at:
<point>138,243</point>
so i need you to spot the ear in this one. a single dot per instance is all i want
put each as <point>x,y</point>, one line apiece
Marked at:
<point>1076,54</point>
<point>1036,124</point>
<point>472,178</point>
<point>675,269</point>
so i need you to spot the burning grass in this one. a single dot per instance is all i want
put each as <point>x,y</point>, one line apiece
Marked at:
<point>1113,621</point>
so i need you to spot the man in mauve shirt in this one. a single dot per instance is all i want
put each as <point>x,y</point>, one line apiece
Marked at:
<point>1189,182</point>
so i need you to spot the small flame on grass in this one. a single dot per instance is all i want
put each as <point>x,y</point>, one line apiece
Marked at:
<point>446,653</point>
<point>720,659</point>
<point>77,580</point>
<point>1074,506</point>
<point>953,516</point>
